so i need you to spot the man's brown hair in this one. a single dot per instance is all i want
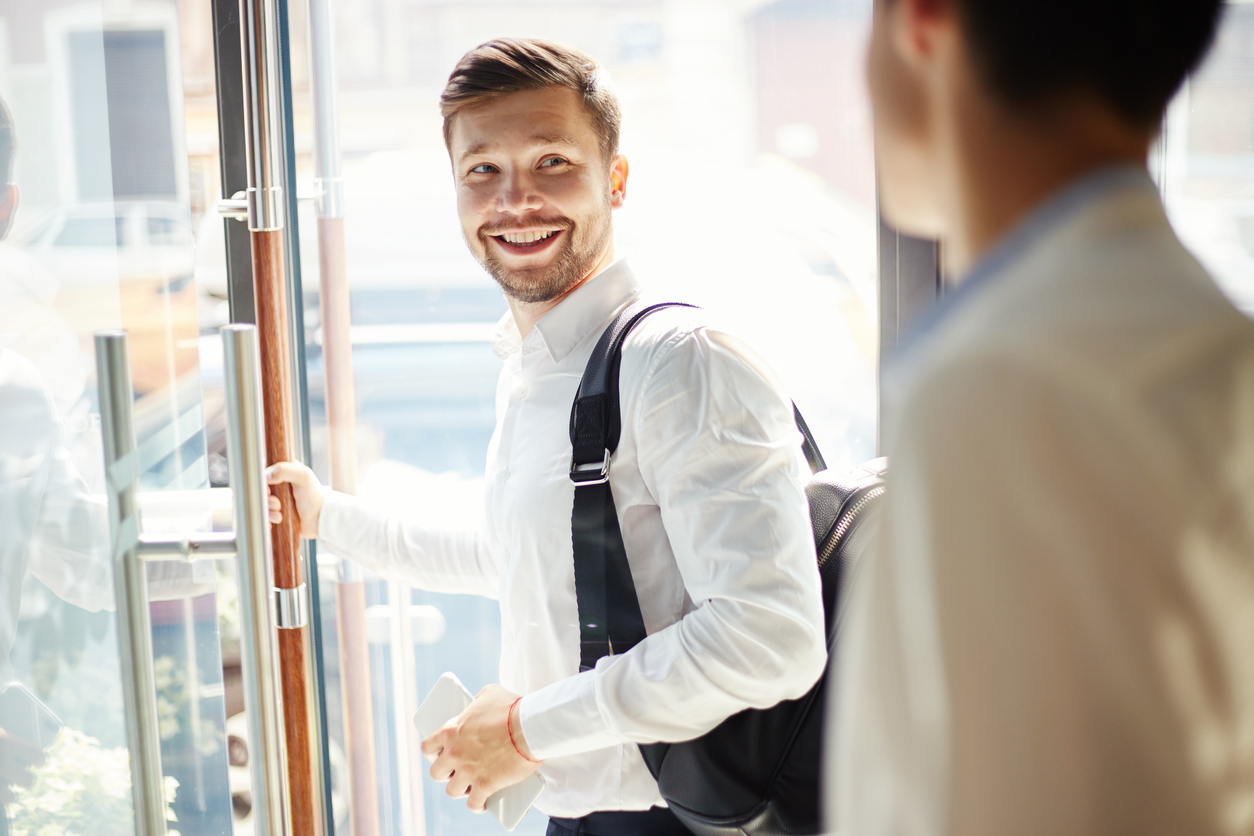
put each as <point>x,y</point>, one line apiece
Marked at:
<point>511,65</point>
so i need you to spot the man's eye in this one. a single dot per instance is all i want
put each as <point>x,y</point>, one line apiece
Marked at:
<point>483,168</point>
<point>553,161</point>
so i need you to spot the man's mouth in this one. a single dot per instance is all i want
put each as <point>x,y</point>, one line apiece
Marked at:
<point>527,241</point>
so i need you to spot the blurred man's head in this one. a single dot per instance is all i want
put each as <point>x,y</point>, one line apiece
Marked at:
<point>532,134</point>
<point>1092,74</point>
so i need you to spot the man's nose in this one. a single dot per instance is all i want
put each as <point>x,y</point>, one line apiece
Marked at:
<point>518,194</point>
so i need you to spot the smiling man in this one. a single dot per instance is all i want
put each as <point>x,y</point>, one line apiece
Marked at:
<point>707,479</point>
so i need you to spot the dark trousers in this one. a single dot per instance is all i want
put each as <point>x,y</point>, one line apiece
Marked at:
<point>657,821</point>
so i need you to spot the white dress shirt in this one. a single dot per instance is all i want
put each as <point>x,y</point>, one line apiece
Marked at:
<point>708,482</point>
<point>1057,636</point>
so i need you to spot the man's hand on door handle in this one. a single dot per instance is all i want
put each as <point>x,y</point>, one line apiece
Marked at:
<point>306,490</point>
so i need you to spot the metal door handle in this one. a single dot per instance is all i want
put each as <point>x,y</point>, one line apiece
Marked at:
<point>139,689</point>
<point>263,700</point>
<point>250,545</point>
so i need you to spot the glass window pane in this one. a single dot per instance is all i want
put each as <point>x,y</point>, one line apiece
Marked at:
<point>99,240</point>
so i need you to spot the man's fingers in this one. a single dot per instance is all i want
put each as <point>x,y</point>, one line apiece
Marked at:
<point>478,798</point>
<point>441,771</point>
<point>433,744</point>
<point>457,787</point>
<point>442,768</point>
<point>283,472</point>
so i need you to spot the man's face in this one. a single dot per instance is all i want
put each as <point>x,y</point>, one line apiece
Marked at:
<point>900,61</point>
<point>534,194</point>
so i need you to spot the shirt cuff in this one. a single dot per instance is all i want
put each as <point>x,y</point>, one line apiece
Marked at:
<point>564,719</point>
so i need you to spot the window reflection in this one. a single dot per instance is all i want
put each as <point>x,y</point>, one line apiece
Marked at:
<point>101,240</point>
<point>100,230</point>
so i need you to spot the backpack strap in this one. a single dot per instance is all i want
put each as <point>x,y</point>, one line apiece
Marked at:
<point>612,624</point>
<point>606,626</point>
<point>808,445</point>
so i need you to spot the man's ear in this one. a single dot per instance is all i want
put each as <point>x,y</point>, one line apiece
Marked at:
<point>916,26</point>
<point>8,209</point>
<point>618,182</point>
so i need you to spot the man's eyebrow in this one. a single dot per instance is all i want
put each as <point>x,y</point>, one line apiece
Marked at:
<point>552,139</point>
<point>477,148</point>
<point>538,139</point>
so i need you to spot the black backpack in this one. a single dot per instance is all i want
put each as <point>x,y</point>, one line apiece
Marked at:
<point>758,772</point>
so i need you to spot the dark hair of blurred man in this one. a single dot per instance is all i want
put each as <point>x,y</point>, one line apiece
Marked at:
<point>1056,636</point>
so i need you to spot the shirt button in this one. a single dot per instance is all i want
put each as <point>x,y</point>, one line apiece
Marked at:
<point>522,392</point>
<point>505,475</point>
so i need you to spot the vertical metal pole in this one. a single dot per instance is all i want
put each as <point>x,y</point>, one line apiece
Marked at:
<point>263,697</point>
<point>232,138</point>
<point>266,173</point>
<point>262,115</point>
<point>405,705</point>
<point>337,364</point>
<point>327,179</point>
<point>113,371</point>
<point>193,690</point>
<point>312,648</point>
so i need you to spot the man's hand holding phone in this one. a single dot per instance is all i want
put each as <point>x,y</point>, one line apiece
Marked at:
<point>482,749</point>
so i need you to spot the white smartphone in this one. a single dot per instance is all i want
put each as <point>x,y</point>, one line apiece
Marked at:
<point>449,698</point>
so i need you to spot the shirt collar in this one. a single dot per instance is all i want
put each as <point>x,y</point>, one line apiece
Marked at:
<point>505,339</point>
<point>575,317</point>
<point>1037,226</point>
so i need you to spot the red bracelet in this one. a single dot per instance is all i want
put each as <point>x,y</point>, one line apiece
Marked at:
<point>509,728</point>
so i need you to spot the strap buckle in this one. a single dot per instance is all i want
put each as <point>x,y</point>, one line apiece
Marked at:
<point>595,473</point>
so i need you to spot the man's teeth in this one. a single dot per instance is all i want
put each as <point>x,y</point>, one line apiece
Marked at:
<point>527,237</point>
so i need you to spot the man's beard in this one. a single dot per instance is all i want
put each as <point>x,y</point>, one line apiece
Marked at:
<point>579,253</point>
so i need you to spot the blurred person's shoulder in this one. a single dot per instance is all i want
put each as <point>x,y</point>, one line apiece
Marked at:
<point>1106,309</point>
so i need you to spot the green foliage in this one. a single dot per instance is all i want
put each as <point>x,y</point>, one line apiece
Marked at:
<point>171,681</point>
<point>81,790</point>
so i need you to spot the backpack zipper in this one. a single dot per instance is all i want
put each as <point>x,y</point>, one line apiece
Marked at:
<point>846,520</point>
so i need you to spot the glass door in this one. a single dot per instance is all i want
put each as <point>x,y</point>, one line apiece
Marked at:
<point>97,210</point>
